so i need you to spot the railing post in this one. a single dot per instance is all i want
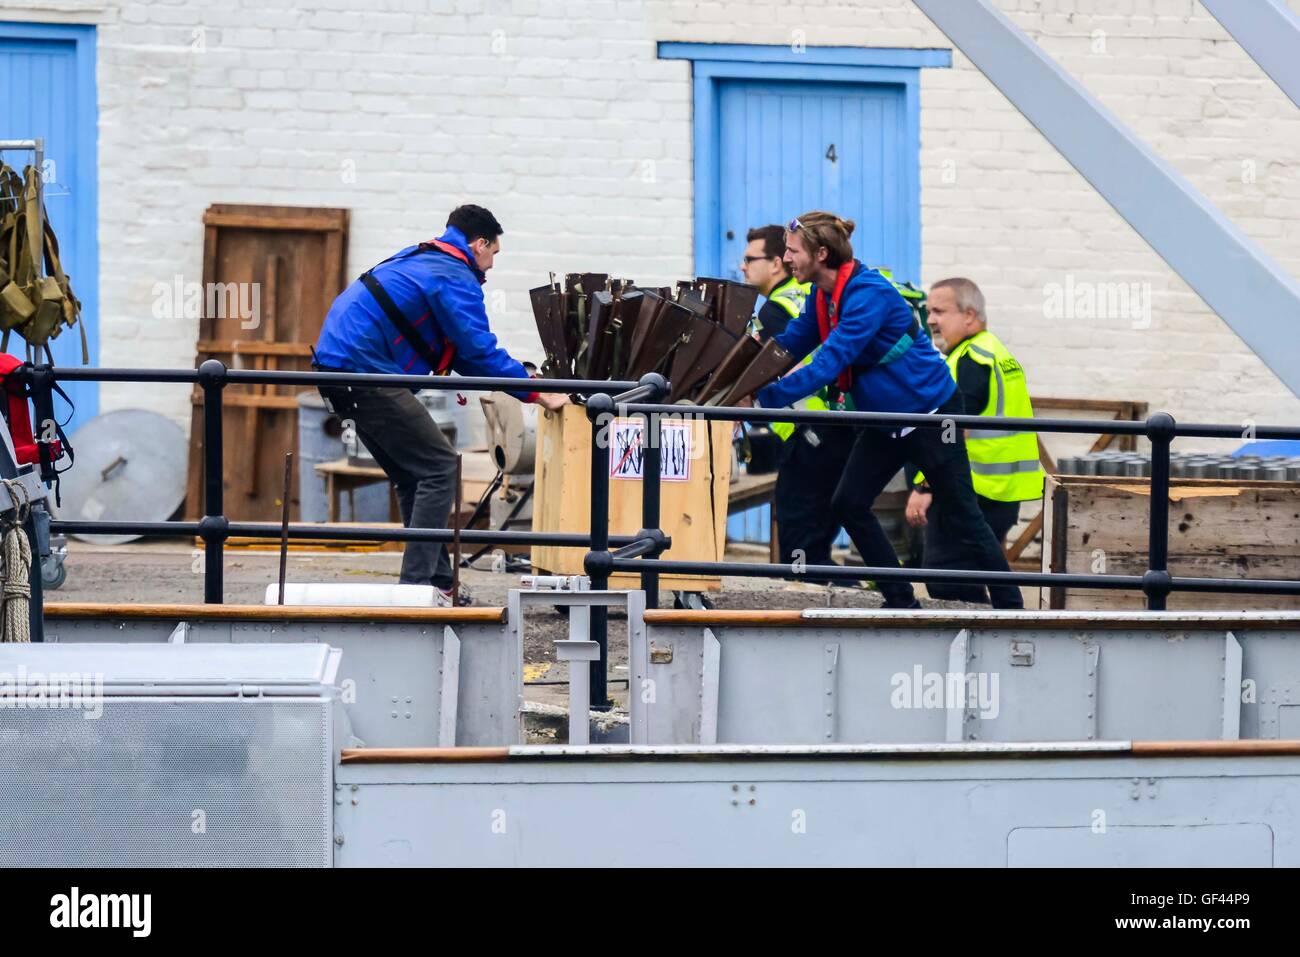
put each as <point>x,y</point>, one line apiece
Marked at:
<point>1156,580</point>
<point>600,412</point>
<point>213,527</point>
<point>650,473</point>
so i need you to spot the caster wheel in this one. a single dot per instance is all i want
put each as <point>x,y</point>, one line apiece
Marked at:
<point>53,578</point>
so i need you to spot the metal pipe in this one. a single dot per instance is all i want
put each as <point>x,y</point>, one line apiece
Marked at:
<point>642,546</point>
<point>893,419</point>
<point>276,377</point>
<point>600,412</point>
<point>284,523</point>
<point>353,533</point>
<point>651,472</point>
<point>455,540</point>
<point>720,413</point>
<point>1264,586</point>
<point>213,527</point>
<point>866,573</point>
<point>1160,431</point>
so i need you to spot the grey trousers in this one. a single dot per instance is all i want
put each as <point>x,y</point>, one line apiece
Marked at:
<point>416,456</point>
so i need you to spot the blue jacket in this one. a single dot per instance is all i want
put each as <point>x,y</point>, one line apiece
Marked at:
<point>439,295</point>
<point>872,318</point>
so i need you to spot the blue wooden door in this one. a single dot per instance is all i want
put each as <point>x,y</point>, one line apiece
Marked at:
<point>47,88</point>
<point>785,148</point>
<point>789,147</point>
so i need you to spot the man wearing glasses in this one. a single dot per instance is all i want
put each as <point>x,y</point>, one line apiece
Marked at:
<point>870,344</point>
<point>812,459</point>
<point>764,268</point>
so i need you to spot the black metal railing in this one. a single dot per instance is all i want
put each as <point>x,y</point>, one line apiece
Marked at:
<point>214,527</point>
<point>1156,582</point>
<point>641,553</point>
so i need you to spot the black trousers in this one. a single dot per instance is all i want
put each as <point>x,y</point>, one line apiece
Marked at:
<point>416,456</point>
<point>805,485</point>
<point>1001,516</point>
<point>876,458</point>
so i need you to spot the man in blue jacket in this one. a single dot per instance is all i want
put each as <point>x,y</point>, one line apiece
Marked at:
<point>873,348</point>
<point>419,312</point>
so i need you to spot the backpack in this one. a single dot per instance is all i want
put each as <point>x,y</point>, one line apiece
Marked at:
<point>36,306</point>
<point>915,297</point>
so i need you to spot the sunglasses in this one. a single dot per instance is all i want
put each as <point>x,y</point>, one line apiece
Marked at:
<point>753,259</point>
<point>794,224</point>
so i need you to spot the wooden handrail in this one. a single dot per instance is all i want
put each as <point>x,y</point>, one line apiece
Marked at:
<point>433,616</point>
<point>421,755</point>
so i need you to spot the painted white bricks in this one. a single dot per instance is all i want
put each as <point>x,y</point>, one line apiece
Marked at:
<point>559,116</point>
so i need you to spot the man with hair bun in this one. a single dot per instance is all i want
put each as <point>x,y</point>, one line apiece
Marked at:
<point>872,347</point>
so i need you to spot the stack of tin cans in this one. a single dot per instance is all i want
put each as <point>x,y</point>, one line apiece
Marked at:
<point>1258,468</point>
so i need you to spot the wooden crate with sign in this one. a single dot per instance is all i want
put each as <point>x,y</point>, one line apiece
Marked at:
<point>696,477</point>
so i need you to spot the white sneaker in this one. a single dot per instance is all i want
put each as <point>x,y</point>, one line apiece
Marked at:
<point>442,597</point>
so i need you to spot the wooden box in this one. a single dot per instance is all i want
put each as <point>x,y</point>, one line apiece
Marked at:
<point>693,494</point>
<point>1218,528</point>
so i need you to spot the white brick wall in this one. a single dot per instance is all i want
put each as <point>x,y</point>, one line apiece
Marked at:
<point>555,114</point>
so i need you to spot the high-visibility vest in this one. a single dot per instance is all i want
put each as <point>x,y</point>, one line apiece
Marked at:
<point>790,296</point>
<point>1004,466</point>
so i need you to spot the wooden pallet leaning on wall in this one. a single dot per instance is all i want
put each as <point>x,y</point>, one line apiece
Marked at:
<point>294,260</point>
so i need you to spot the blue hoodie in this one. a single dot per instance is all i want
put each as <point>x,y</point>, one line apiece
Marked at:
<point>872,318</point>
<point>440,296</point>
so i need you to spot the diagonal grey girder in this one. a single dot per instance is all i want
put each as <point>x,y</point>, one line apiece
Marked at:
<point>1258,300</point>
<point>1269,32</point>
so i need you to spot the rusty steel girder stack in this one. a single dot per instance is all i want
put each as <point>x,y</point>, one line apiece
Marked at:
<point>696,335</point>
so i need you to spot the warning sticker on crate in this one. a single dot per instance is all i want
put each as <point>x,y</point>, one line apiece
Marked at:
<point>627,452</point>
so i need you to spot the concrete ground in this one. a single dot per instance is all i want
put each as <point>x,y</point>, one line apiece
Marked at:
<point>169,572</point>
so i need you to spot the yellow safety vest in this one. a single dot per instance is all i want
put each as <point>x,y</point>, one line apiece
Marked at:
<point>1004,465</point>
<point>790,296</point>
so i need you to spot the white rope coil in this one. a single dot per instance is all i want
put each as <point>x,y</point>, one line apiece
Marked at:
<point>16,568</point>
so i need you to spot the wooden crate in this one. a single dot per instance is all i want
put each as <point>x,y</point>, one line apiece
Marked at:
<point>1218,528</point>
<point>693,512</point>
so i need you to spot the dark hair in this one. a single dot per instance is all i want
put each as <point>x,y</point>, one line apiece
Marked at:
<point>827,230</point>
<point>475,222</point>
<point>773,240</point>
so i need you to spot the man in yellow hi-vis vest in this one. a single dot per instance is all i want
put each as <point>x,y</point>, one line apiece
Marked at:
<point>812,459</point>
<point>1005,469</point>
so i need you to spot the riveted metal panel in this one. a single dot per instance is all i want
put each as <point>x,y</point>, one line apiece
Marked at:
<point>1158,679</point>
<point>867,811</point>
<point>390,676</point>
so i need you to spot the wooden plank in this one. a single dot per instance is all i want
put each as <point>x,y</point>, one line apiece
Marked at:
<point>190,612</point>
<point>1244,748</point>
<point>1056,516</point>
<point>422,755</point>
<point>1114,406</point>
<point>297,218</point>
<point>239,400</point>
<point>252,347</point>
